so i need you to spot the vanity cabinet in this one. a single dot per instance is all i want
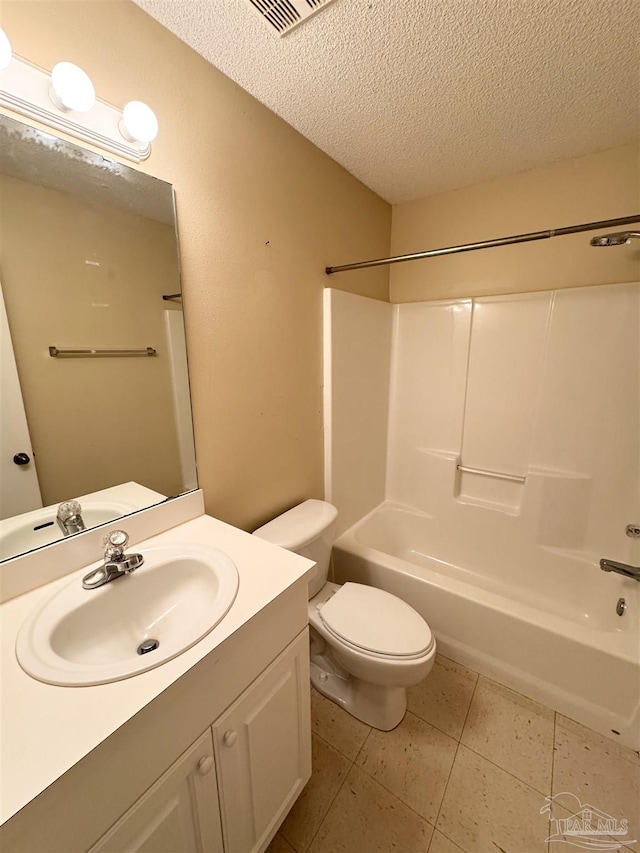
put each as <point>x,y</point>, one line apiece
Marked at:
<point>232,788</point>
<point>178,813</point>
<point>262,749</point>
<point>243,706</point>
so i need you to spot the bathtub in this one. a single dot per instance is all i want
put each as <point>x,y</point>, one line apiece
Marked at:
<point>542,621</point>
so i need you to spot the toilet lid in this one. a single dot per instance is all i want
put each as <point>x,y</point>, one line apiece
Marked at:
<point>376,621</point>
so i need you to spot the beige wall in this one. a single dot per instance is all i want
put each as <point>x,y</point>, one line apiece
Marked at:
<point>97,422</point>
<point>599,186</point>
<point>261,212</point>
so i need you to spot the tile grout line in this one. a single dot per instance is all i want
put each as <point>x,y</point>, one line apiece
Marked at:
<point>394,795</point>
<point>458,740</point>
<point>553,770</point>
<point>508,772</point>
<point>475,684</point>
<point>351,765</point>
<point>549,708</point>
<point>553,752</point>
<point>466,716</point>
<point>433,725</point>
<point>363,744</point>
<point>335,748</point>
<point>558,726</point>
<point>616,744</point>
<point>378,782</point>
<point>458,744</point>
<point>326,814</point>
<point>498,766</point>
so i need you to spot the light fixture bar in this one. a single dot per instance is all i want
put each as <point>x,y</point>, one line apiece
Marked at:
<point>24,89</point>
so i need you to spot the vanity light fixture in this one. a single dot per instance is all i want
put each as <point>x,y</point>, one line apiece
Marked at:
<point>65,101</point>
<point>5,50</point>
<point>71,88</point>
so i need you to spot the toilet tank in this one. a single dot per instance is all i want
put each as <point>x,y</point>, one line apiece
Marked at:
<point>309,530</point>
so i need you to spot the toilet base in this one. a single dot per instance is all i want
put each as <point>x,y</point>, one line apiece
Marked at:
<point>380,707</point>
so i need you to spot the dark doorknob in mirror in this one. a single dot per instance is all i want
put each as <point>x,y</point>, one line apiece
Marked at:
<point>22,459</point>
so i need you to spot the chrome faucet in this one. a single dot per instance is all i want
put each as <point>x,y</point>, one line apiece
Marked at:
<point>623,569</point>
<point>69,518</point>
<point>116,562</point>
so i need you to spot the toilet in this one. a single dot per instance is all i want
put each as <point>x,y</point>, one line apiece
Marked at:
<point>367,646</point>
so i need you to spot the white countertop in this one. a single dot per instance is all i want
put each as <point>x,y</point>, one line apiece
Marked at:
<point>45,729</point>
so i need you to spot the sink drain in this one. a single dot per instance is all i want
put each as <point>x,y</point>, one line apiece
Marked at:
<point>148,646</point>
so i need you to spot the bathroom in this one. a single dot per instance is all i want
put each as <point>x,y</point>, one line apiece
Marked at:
<point>261,212</point>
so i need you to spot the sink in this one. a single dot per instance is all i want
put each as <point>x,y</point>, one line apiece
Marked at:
<point>39,527</point>
<point>86,637</point>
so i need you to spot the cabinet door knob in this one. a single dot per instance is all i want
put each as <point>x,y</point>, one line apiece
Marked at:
<point>230,737</point>
<point>204,765</point>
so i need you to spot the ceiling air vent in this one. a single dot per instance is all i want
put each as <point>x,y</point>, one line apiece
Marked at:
<point>283,15</point>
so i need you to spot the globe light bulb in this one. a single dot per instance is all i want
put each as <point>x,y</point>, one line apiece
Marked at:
<point>139,122</point>
<point>6,53</point>
<point>71,88</point>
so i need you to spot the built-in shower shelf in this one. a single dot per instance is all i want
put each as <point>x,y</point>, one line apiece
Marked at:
<point>587,557</point>
<point>496,490</point>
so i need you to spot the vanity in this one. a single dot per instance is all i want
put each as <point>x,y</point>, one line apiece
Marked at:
<point>207,751</point>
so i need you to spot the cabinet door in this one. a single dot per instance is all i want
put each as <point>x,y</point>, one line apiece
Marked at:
<point>178,813</point>
<point>262,745</point>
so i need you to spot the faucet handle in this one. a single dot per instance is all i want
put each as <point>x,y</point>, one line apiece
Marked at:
<point>115,542</point>
<point>69,518</point>
<point>68,509</point>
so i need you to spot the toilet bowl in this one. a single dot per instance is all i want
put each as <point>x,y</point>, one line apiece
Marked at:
<point>367,646</point>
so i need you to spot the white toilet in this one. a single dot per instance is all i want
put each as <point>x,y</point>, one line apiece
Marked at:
<point>367,646</point>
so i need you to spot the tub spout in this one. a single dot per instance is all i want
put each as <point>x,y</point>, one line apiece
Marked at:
<point>621,568</point>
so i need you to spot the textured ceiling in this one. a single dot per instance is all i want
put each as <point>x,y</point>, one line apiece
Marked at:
<point>415,97</point>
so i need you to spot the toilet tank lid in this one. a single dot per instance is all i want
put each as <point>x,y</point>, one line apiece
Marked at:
<point>298,526</point>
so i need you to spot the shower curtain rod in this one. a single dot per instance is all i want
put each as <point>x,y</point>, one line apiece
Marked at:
<point>489,244</point>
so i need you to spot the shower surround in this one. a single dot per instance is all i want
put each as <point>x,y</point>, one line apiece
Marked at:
<point>539,395</point>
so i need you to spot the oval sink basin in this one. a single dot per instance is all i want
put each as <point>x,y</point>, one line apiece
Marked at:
<point>84,637</point>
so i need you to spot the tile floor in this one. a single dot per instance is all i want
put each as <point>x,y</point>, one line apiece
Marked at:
<point>467,771</point>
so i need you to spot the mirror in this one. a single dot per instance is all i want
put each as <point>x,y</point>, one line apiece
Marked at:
<point>94,385</point>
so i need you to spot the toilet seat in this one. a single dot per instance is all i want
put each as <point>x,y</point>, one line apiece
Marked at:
<point>376,623</point>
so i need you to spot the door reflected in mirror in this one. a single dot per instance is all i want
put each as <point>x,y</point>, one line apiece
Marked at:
<point>94,383</point>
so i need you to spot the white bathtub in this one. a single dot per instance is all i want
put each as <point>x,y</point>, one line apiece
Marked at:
<point>543,622</point>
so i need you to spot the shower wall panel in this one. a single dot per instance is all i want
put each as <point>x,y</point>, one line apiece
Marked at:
<point>503,381</point>
<point>429,366</point>
<point>542,386</point>
<point>589,417</point>
<point>357,346</point>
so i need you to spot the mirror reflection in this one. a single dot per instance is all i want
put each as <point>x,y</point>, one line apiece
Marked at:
<point>94,384</point>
